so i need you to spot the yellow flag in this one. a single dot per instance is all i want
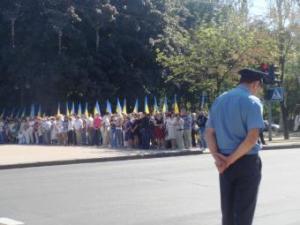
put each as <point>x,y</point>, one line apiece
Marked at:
<point>58,109</point>
<point>176,108</point>
<point>136,106</point>
<point>147,111</point>
<point>125,107</point>
<point>165,106</point>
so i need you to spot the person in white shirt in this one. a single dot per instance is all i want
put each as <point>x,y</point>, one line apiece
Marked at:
<point>90,129</point>
<point>179,128</point>
<point>170,129</point>
<point>78,125</point>
<point>46,130</point>
<point>36,131</point>
<point>106,129</point>
<point>31,130</point>
<point>71,133</point>
<point>26,131</point>
<point>54,131</point>
<point>59,125</point>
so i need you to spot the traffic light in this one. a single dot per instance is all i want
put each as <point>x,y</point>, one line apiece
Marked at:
<point>271,71</point>
<point>264,67</point>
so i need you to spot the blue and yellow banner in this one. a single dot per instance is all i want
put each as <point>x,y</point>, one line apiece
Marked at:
<point>136,106</point>
<point>97,108</point>
<point>146,109</point>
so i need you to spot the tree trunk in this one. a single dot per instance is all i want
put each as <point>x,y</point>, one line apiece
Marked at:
<point>283,107</point>
<point>284,120</point>
<point>282,60</point>
<point>13,21</point>
<point>60,34</point>
<point>244,8</point>
<point>97,39</point>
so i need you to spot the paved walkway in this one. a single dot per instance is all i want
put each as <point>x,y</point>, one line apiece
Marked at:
<point>19,156</point>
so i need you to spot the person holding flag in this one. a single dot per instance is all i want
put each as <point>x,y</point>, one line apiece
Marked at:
<point>159,133</point>
<point>187,128</point>
<point>97,123</point>
<point>106,129</point>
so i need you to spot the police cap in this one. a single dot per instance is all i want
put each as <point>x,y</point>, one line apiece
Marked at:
<point>253,75</point>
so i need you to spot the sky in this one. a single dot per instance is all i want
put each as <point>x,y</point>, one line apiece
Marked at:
<point>258,7</point>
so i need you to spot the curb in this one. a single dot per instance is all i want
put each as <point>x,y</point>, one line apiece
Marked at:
<point>280,147</point>
<point>123,158</point>
<point>96,160</point>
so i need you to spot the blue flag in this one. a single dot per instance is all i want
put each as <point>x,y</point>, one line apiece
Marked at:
<point>136,106</point>
<point>97,108</point>
<point>32,111</point>
<point>155,107</point>
<point>108,107</point>
<point>73,108</point>
<point>79,111</point>
<point>118,107</point>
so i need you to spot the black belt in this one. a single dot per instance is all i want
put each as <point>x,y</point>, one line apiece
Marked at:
<point>244,156</point>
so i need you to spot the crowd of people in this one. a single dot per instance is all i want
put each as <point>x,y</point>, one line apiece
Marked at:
<point>135,130</point>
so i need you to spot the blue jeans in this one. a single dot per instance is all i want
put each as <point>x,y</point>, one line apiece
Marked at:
<point>145,142</point>
<point>202,137</point>
<point>119,138</point>
<point>112,138</point>
<point>97,137</point>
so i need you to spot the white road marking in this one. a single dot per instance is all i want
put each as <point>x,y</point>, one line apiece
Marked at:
<point>8,221</point>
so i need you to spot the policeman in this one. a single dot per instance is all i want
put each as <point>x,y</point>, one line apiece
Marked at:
<point>232,134</point>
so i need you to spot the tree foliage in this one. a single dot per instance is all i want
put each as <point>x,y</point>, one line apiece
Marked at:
<point>214,51</point>
<point>78,50</point>
<point>57,50</point>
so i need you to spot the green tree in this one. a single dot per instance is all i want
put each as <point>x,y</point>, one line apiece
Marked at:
<point>283,16</point>
<point>213,53</point>
<point>58,57</point>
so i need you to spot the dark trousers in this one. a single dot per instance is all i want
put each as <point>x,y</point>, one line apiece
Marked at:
<point>239,187</point>
<point>71,137</point>
<point>145,141</point>
<point>97,137</point>
<point>261,137</point>
<point>194,132</point>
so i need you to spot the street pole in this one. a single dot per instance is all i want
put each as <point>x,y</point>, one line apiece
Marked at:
<point>270,119</point>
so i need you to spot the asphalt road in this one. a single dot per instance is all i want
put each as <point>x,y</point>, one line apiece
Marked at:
<point>165,191</point>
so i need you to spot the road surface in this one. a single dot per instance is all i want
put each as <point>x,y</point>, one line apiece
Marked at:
<point>164,191</point>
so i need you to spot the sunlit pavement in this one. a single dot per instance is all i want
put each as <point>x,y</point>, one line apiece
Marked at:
<point>175,190</point>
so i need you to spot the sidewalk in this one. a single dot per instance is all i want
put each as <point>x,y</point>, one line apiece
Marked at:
<point>278,141</point>
<point>21,156</point>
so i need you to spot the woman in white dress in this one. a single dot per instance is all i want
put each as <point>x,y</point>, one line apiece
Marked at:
<point>179,123</point>
<point>170,129</point>
<point>54,131</point>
